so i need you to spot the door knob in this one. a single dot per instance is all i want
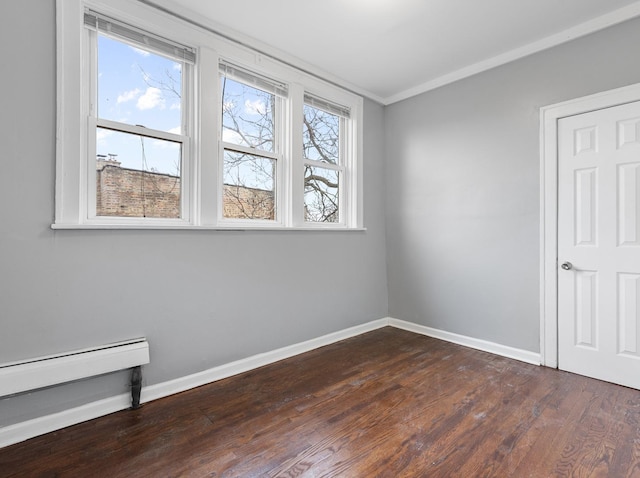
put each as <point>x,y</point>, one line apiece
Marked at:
<point>567,266</point>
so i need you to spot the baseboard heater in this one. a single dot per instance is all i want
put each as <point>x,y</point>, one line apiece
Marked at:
<point>25,375</point>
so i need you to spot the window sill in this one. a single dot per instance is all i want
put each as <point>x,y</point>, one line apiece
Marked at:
<point>190,227</point>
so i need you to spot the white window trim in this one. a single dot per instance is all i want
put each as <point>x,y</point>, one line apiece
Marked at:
<point>278,154</point>
<point>201,174</point>
<point>346,186</point>
<point>88,212</point>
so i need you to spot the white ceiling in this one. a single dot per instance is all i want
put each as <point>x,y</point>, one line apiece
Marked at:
<point>392,49</point>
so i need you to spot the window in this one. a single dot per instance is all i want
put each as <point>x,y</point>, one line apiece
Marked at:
<point>251,144</point>
<point>138,116</point>
<point>163,125</point>
<point>324,168</point>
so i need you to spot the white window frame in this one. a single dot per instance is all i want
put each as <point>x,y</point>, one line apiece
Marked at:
<point>279,142</point>
<point>94,122</point>
<point>202,152</point>
<point>345,166</point>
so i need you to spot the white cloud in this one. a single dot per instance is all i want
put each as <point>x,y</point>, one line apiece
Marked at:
<point>170,145</point>
<point>102,135</point>
<point>228,106</point>
<point>140,52</point>
<point>161,144</point>
<point>255,107</point>
<point>174,106</point>
<point>152,98</point>
<point>128,96</point>
<point>229,136</point>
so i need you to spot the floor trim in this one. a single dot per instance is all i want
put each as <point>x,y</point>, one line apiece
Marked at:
<point>188,382</point>
<point>23,431</point>
<point>484,345</point>
<point>19,432</point>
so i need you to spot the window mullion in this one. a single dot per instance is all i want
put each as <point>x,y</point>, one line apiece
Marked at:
<point>344,193</point>
<point>208,169</point>
<point>88,170</point>
<point>283,198</point>
<point>189,210</point>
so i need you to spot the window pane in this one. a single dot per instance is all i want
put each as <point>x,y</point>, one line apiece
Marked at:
<point>137,176</point>
<point>247,115</point>
<point>321,195</point>
<point>249,186</point>
<point>138,87</point>
<point>321,135</point>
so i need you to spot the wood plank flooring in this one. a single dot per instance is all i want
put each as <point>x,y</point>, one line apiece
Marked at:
<point>388,403</point>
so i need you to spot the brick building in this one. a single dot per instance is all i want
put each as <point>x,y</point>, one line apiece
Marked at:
<point>242,202</point>
<point>128,192</point>
<point>133,193</point>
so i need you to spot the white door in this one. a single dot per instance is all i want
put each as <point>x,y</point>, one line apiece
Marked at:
<point>599,244</point>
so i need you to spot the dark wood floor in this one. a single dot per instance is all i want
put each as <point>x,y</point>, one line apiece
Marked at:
<point>388,403</point>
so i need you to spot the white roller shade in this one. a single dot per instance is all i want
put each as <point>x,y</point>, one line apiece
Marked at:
<point>257,81</point>
<point>137,37</point>
<point>327,106</point>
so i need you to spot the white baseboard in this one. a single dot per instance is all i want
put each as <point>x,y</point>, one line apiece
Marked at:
<point>12,434</point>
<point>485,346</point>
<point>22,431</point>
<point>182,384</point>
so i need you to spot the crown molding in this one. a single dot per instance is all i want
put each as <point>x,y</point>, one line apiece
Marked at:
<point>599,23</point>
<point>591,26</point>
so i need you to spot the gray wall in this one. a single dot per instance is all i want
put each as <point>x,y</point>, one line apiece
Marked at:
<point>214,297</point>
<point>462,235</point>
<point>463,187</point>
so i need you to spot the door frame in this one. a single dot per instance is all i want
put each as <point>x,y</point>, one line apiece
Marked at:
<point>549,117</point>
